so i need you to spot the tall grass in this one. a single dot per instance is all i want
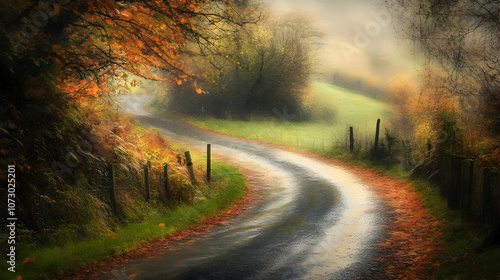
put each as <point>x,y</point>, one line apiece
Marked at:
<point>227,180</point>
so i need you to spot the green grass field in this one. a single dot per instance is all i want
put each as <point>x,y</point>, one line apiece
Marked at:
<point>350,109</point>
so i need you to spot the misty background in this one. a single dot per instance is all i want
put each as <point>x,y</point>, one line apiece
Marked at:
<point>360,38</point>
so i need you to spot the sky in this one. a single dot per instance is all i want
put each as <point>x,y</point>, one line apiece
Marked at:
<point>360,37</point>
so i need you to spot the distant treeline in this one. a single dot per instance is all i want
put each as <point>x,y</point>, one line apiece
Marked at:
<point>358,84</point>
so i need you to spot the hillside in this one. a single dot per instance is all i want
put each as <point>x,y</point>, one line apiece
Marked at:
<point>333,110</point>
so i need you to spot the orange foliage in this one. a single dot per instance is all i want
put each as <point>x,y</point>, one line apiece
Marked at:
<point>111,38</point>
<point>121,142</point>
<point>418,115</point>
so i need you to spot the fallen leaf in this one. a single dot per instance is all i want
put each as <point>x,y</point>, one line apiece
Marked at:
<point>29,260</point>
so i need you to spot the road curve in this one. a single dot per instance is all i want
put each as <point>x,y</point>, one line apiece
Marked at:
<point>315,221</point>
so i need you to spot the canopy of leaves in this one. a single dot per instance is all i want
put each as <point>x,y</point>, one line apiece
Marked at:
<point>94,43</point>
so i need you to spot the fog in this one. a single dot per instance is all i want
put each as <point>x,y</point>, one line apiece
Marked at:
<point>359,37</point>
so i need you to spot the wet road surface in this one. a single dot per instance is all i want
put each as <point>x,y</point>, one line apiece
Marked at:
<point>315,221</point>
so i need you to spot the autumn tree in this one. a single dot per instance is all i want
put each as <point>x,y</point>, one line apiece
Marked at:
<point>462,39</point>
<point>94,42</point>
<point>58,54</point>
<point>258,69</point>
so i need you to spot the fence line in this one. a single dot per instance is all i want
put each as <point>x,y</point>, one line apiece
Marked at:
<point>470,188</point>
<point>150,177</point>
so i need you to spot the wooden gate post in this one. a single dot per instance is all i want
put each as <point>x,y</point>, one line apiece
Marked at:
<point>351,139</point>
<point>209,162</point>
<point>189,164</point>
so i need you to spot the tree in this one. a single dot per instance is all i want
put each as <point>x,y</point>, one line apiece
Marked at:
<point>462,38</point>
<point>260,68</point>
<point>95,42</point>
<point>57,54</point>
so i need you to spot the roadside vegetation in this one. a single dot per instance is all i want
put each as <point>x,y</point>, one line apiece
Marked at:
<point>58,129</point>
<point>47,262</point>
<point>69,236</point>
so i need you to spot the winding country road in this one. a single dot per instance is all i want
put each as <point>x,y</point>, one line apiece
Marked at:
<point>315,221</point>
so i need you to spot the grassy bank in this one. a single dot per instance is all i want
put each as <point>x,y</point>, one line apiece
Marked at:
<point>464,252</point>
<point>228,186</point>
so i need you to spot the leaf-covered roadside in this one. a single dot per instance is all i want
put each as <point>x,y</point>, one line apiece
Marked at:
<point>411,248</point>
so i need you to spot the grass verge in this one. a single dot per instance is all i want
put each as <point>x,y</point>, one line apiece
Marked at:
<point>47,263</point>
<point>464,255</point>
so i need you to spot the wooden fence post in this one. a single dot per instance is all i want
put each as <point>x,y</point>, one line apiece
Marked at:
<point>495,191</point>
<point>467,168</point>
<point>377,132</point>
<point>146,180</point>
<point>486,194</point>
<point>491,196</point>
<point>209,162</point>
<point>112,194</point>
<point>455,193</point>
<point>444,169</point>
<point>477,193</point>
<point>165,178</point>
<point>189,164</point>
<point>351,139</point>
